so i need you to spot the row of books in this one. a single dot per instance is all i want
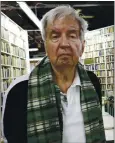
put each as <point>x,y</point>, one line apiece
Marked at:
<point>110,58</point>
<point>108,29</point>
<point>5,84</point>
<point>14,50</point>
<point>5,72</point>
<point>94,54</point>
<point>89,48</point>
<point>98,53</point>
<point>12,38</point>
<point>103,86</point>
<point>110,66</point>
<point>99,46</point>
<point>22,53</point>
<point>109,44</point>
<point>5,47</point>
<point>16,40</point>
<point>108,37</point>
<point>89,55</point>
<point>89,67</point>
<point>103,80</point>
<point>18,51</point>
<point>94,46</point>
<point>97,67</point>
<point>99,59</point>
<point>5,59</point>
<point>16,72</point>
<point>23,63</point>
<point>8,24</point>
<point>110,51</point>
<point>101,66</point>
<point>23,71</point>
<point>109,80</point>
<point>16,62</point>
<point>110,86</point>
<point>96,39</point>
<point>110,72</point>
<point>105,73</point>
<point>100,73</point>
<point>9,72</point>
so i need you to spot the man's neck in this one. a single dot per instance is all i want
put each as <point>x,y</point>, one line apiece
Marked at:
<point>64,78</point>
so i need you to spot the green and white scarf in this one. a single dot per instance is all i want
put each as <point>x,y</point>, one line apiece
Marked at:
<point>44,109</point>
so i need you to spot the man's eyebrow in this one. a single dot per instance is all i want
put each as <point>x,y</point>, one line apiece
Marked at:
<point>73,30</point>
<point>54,31</point>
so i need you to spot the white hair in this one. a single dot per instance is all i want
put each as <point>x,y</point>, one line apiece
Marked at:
<point>61,11</point>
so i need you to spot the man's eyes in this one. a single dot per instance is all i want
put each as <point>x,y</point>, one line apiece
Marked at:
<point>55,36</point>
<point>70,36</point>
<point>73,35</point>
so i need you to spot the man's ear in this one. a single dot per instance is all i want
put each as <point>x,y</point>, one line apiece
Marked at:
<point>83,47</point>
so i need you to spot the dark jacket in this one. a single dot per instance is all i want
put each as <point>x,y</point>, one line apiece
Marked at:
<point>15,113</point>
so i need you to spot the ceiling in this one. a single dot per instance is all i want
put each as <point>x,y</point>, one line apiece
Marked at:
<point>103,12</point>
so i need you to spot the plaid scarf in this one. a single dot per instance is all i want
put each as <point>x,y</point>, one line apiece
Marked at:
<point>44,109</point>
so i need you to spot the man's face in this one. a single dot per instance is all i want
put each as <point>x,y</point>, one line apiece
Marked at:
<point>63,44</point>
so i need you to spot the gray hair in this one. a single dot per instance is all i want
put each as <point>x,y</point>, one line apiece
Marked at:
<point>61,11</point>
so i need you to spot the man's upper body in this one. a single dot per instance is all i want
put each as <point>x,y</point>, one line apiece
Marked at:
<point>46,117</point>
<point>15,109</point>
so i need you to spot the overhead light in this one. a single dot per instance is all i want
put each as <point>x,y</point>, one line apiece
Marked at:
<point>36,59</point>
<point>86,5</point>
<point>30,13</point>
<point>33,49</point>
<point>79,11</point>
<point>88,16</point>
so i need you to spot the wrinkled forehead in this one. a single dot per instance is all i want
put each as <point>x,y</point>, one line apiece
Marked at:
<point>67,22</point>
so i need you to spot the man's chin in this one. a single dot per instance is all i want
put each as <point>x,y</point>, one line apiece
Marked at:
<point>64,64</point>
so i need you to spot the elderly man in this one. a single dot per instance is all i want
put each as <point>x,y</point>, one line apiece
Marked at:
<point>57,102</point>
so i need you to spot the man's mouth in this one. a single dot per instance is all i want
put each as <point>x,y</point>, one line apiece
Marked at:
<point>65,54</point>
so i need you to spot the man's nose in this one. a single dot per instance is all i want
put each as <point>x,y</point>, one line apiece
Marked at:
<point>64,42</point>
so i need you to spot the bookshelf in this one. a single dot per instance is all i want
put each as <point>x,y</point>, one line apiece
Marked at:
<point>14,52</point>
<point>99,56</point>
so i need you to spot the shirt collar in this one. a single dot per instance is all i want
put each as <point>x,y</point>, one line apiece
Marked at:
<point>76,80</point>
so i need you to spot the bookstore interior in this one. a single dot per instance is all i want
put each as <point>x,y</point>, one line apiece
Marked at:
<point>22,46</point>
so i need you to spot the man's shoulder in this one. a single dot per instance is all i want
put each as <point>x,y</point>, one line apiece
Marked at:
<point>92,75</point>
<point>14,104</point>
<point>18,82</point>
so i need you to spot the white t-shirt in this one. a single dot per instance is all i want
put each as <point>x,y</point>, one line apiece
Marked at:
<point>73,125</point>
